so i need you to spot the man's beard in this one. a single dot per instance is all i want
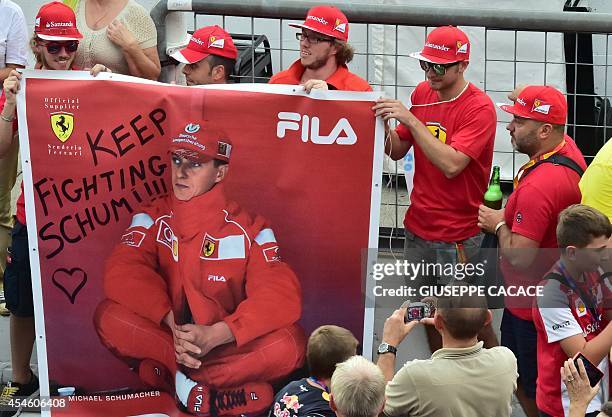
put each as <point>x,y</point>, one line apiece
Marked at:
<point>316,64</point>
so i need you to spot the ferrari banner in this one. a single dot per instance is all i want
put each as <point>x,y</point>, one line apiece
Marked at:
<point>95,150</point>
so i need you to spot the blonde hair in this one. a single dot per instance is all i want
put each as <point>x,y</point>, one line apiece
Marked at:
<point>344,53</point>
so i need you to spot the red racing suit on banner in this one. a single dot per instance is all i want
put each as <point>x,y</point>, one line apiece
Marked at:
<point>207,260</point>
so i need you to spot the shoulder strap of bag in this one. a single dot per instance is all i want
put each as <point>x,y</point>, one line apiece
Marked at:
<point>558,160</point>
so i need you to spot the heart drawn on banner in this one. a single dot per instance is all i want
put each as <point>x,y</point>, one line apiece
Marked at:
<point>70,281</point>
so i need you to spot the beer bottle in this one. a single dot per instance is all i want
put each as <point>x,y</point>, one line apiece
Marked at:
<point>493,197</point>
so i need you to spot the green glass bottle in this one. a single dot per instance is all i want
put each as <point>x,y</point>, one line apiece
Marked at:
<point>493,197</point>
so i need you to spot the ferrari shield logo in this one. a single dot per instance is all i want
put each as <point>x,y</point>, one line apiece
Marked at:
<point>209,248</point>
<point>62,124</point>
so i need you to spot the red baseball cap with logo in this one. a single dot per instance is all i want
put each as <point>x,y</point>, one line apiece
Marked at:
<point>200,144</point>
<point>209,40</point>
<point>445,45</point>
<point>56,22</point>
<point>539,102</point>
<point>326,20</point>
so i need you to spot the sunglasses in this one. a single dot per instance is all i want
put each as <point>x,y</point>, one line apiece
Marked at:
<point>439,69</point>
<point>55,47</point>
<point>311,39</point>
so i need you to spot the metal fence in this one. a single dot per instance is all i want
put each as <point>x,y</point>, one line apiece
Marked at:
<point>509,47</point>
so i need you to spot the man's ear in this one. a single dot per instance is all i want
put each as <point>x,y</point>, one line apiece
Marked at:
<point>546,130</point>
<point>463,66</point>
<point>332,404</point>
<point>218,73</point>
<point>221,172</point>
<point>488,319</point>
<point>570,252</point>
<point>438,321</point>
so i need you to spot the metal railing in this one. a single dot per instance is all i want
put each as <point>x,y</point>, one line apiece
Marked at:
<point>538,47</point>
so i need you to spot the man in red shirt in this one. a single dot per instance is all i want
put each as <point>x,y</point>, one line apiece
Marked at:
<point>529,220</point>
<point>574,313</point>
<point>209,57</point>
<point>214,318</point>
<point>324,53</point>
<point>451,124</point>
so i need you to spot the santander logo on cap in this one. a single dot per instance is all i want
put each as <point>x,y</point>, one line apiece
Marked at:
<point>59,25</point>
<point>317,19</point>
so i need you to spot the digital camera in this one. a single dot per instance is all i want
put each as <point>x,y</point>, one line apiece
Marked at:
<point>418,311</point>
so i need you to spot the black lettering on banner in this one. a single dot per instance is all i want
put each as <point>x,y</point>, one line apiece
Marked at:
<point>42,233</point>
<point>42,194</point>
<point>84,222</point>
<point>139,131</point>
<point>95,146</point>
<point>158,116</point>
<point>121,139</point>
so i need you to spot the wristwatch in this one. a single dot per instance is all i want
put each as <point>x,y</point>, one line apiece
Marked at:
<point>386,348</point>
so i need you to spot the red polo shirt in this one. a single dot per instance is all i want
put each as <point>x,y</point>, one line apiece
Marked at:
<point>342,79</point>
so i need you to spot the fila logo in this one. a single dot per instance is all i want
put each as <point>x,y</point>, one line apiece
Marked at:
<point>341,134</point>
<point>199,400</point>
<point>216,278</point>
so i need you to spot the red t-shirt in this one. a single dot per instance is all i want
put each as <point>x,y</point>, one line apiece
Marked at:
<point>447,209</point>
<point>342,79</point>
<point>532,211</point>
<point>20,200</point>
<point>558,315</point>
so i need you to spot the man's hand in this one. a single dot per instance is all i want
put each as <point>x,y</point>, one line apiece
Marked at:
<point>489,218</point>
<point>579,389</point>
<point>98,68</point>
<point>395,330</point>
<point>11,87</point>
<point>393,109</point>
<point>194,341</point>
<point>316,85</point>
<point>120,35</point>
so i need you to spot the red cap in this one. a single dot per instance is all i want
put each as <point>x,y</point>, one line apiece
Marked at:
<point>200,144</point>
<point>445,45</point>
<point>326,20</point>
<point>539,102</point>
<point>56,22</point>
<point>209,40</point>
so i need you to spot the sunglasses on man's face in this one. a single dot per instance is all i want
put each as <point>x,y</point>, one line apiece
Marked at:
<point>439,69</point>
<point>55,47</point>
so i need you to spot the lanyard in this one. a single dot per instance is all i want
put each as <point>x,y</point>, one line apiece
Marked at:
<point>319,383</point>
<point>590,302</point>
<point>537,159</point>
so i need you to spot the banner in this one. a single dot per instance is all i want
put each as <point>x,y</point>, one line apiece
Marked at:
<point>95,150</point>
